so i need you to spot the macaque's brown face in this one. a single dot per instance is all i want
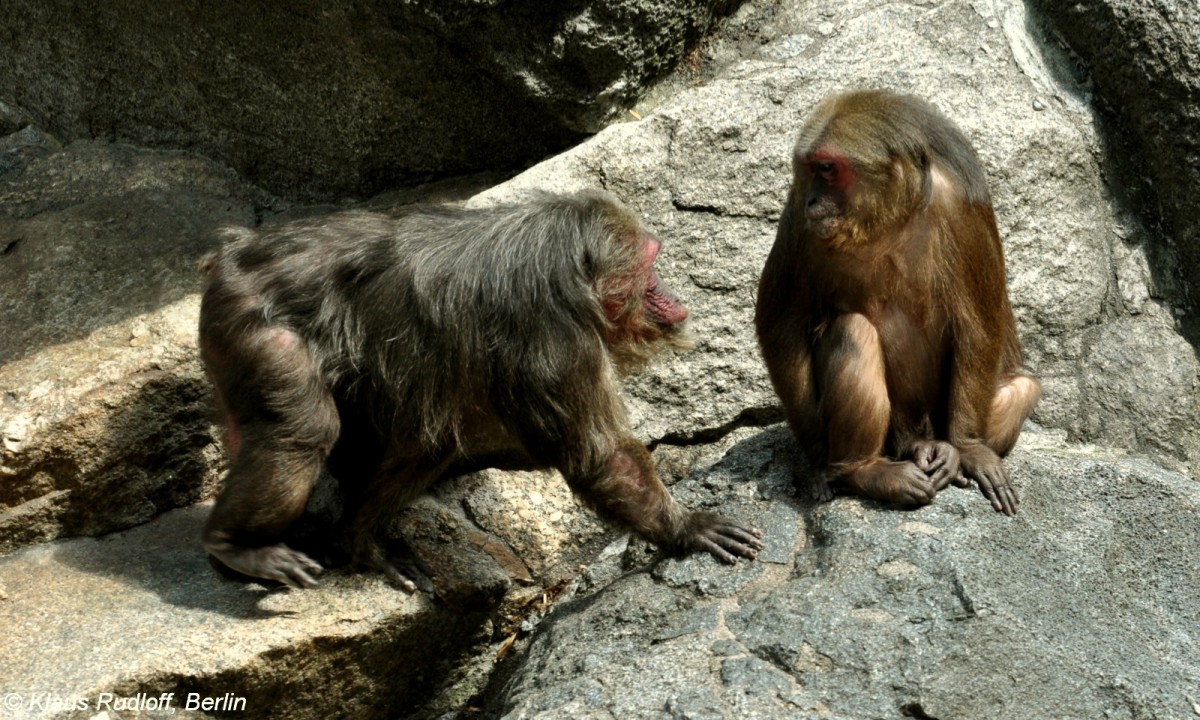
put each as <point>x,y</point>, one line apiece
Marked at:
<point>831,183</point>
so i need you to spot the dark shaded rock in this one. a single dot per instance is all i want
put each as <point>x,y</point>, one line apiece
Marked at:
<point>312,100</point>
<point>86,457</point>
<point>1142,60</point>
<point>470,569</point>
<point>12,118</point>
<point>22,146</point>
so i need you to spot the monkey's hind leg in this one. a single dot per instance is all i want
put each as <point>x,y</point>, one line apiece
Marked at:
<point>791,373</point>
<point>392,487</point>
<point>857,413</point>
<point>1012,404</point>
<point>282,423</point>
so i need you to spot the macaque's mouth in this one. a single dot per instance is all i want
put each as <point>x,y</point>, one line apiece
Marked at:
<point>662,305</point>
<point>824,228</point>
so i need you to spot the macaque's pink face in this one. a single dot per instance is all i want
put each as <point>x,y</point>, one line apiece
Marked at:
<point>660,302</point>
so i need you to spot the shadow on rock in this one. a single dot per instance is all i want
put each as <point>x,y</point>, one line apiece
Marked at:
<point>1148,127</point>
<point>165,557</point>
<point>126,452</point>
<point>97,233</point>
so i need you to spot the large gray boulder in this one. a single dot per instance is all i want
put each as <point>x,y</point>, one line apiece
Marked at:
<point>313,100</point>
<point>950,611</point>
<point>1141,64</point>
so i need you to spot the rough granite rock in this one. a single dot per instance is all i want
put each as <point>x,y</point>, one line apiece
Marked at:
<point>313,100</point>
<point>143,612</point>
<point>1141,63</point>
<point>951,611</point>
<point>98,232</point>
<point>534,512</point>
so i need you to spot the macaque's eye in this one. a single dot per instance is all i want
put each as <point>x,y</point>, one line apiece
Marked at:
<point>825,169</point>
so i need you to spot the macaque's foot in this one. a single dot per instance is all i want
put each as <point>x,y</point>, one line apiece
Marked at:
<point>818,488</point>
<point>981,464</point>
<point>725,539</point>
<point>271,562</point>
<point>899,482</point>
<point>940,461</point>
<point>370,552</point>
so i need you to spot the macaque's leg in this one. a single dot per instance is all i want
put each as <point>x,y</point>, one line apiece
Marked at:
<point>281,423</point>
<point>1012,404</point>
<point>393,487</point>
<point>857,412</point>
<point>792,375</point>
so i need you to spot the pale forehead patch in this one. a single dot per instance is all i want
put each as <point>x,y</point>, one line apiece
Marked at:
<point>816,125</point>
<point>943,185</point>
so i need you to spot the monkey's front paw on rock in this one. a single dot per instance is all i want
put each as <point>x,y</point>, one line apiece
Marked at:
<point>983,465</point>
<point>725,539</point>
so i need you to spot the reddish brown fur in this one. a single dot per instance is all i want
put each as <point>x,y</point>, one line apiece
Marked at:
<point>883,314</point>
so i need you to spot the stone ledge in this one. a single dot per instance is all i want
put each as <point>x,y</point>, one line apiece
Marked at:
<point>142,611</point>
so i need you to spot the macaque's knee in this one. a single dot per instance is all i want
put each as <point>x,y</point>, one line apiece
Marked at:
<point>1013,403</point>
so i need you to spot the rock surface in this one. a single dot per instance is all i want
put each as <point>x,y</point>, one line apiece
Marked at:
<point>312,100</point>
<point>143,612</point>
<point>856,611</point>
<point>1141,61</point>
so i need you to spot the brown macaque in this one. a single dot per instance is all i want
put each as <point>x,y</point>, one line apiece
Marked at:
<point>883,315</point>
<point>410,345</point>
